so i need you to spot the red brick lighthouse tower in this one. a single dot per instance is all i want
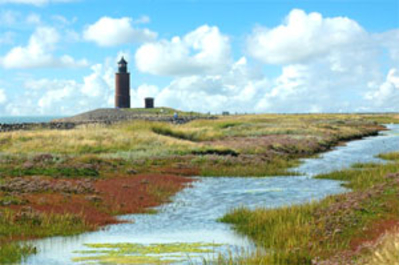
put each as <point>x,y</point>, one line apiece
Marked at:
<point>122,85</point>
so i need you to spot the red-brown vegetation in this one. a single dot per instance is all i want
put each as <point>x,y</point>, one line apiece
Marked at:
<point>108,197</point>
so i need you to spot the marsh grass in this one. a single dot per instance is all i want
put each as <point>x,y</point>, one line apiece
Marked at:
<point>281,232</point>
<point>186,133</point>
<point>90,139</point>
<point>141,135</point>
<point>137,140</point>
<point>390,156</point>
<point>30,224</point>
<point>204,145</point>
<point>54,172</point>
<point>362,177</point>
<point>302,233</point>
<point>164,111</point>
<point>223,167</point>
<point>37,225</point>
<point>14,253</point>
<point>386,252</point>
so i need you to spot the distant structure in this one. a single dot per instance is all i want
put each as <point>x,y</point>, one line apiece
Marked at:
<point>122,85</point>
<point>149,103</point>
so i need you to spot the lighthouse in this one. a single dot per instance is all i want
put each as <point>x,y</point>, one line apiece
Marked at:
<point>122,85</point>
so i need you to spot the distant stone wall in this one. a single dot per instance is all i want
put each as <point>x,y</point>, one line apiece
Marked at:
<point>62,124</point>
<point>31,126</point>
<point>117,115</point>
<point>114,119</point>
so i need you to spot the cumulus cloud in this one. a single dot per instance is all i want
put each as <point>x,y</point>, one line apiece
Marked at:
<point>314,78</point>
<point>66,97</point>
<point>109,32</point>
<point>38,52</point>
<point>390,40</point>
<point>235,90</point>
<point>346,77</point>
<point>3,97</point>
<point>303,37</point>
<point>202,51</point>
<point>143,91</point>
<point>386,96</point>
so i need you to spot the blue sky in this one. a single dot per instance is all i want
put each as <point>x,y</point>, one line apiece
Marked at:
<point>57,57</point>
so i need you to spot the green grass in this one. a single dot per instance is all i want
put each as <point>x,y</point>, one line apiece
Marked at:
<point>54,172</point>
<point>246,145</point>
<point>30,224</point>
<point>167,131</point>
<point>390,156</point>
<point>300,234</point>
<point>235,168</point>
<point>14,253</point>
<point>387,251</point>
<point>383,119</point>
<point>296,136</point>
<point>360,179</point>
<point>163,111</point>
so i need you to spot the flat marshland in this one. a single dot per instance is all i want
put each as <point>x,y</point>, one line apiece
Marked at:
<point>357,227</point>
<point>64,182</point>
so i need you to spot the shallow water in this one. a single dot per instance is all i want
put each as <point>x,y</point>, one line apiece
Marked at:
<point>193,214</point>
<point>27,119</point>
<point>360,151</point>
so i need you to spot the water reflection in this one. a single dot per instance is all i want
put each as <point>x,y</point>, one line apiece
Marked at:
<point>193,214</point>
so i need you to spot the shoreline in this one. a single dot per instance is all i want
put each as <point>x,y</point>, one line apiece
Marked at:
<point>85,212</point>
<point>353,228</point>
<point>57,165</point>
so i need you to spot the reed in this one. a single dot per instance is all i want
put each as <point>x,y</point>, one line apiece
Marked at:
<point>240,145</point>
<point>29,224</point>
<point>302,234</point>
<point>386,252</point>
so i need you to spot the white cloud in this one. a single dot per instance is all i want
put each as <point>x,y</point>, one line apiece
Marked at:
<point>66,97</point>
<point>34,2</point>
<point>3,97</point>
<point>38,52</point>
<point>348,76</point>
<point>390,40</point>
<point>235,90</point>
<point>386,96</point>
<point>109,32</point>
<point>202,51</point>
<point>303,37</point>
<point>143,91</point>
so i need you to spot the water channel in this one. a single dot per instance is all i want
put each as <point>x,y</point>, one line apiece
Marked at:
<point>192,215</point>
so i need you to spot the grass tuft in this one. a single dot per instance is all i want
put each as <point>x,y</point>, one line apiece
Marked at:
<point>321,230</point>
